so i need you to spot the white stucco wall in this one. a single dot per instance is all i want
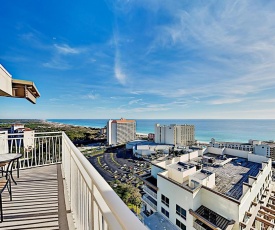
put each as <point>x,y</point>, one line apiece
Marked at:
<point>5,81</point>
<point>252,192</point>
<point>169,135</point>
<point>177,196</point>
<point>213,150</point>
<point>113,133</point>
<point>236,153</point>
<point>28,140</point>
<point>256,158</point>
<point>155,170</point>
<point>263,150</point>
<point>180,176</point>
<point>4,148</point>
<point>220,205</point>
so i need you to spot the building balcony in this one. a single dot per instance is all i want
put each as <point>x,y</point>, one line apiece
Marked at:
<point>150,191</point>
<point>59,189</point>
<point>205,218</point>
<point>198,225</point>
<point>150,201</point>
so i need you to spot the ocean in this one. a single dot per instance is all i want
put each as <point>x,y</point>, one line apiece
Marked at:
<point>205,129</point>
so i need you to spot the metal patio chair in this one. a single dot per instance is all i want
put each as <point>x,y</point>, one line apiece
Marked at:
<point>4,183</point>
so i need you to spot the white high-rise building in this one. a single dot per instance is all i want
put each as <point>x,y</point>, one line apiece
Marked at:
<point>175,134</point>
<point>121,131</point>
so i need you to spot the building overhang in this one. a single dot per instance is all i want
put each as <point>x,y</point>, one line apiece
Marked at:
<point>207,216</point>
<point>25,89</point>
<point>17,88</point>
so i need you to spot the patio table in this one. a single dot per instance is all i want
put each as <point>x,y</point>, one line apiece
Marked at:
<point>10,158</point>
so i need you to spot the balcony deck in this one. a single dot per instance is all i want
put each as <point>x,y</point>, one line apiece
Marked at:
<point>37,200</point>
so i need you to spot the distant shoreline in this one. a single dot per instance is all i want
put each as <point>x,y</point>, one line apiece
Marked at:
<point>228,130</point>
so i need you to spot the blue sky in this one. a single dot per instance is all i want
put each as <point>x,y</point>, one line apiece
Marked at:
<point>141,58</point>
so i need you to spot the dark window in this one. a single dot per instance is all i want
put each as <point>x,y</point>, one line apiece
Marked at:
<point>166,213</point>
<point>181,212</point>
<point>180,225</point>
<point>165,200</point>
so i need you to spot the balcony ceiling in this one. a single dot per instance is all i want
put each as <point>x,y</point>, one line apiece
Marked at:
<point>25,89</point>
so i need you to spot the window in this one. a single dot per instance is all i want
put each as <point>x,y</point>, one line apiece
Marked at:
<point>165,200</point>
<point>180,225</point>
<point>166,213</point>
<point>181,212</point>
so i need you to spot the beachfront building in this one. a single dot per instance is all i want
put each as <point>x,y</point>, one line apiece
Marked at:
<point>183,135</point>
<point>121,131</point>
<point>17,128</point>
<point>210,189</point>
<point>257,147</point>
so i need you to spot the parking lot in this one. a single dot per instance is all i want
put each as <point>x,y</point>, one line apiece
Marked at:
<point>119,165</point>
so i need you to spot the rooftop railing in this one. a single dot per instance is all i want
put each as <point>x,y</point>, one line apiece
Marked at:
<point>93,203</point>
<point>146,198</point>
<point>150,191</point>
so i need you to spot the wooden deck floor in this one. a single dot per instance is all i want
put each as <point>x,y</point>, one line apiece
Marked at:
<point>34,202</point>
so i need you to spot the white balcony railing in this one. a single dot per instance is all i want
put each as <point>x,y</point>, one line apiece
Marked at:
<point>197,226</point>
<point>149,191</point>
<point>37,149</point>
<point>93,203</point>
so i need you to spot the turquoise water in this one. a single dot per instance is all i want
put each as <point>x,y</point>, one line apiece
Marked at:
<point>221,130</point>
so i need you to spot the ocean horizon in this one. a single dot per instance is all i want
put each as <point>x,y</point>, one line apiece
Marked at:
<point>238,130</point>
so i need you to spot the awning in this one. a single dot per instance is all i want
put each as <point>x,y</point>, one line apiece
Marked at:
<point>25,89</point>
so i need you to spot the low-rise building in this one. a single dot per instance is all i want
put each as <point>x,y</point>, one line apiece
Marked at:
<point>17,128</point>
<point>257,147</point>
<point>151,136</point>
<point>212,189</point>
<point>144,151</point>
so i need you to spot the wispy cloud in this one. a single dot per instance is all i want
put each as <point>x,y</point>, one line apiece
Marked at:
<point>57,63</point>
<point>66,49</point>
<point>91,96</point>
<point>269,100</point>
<point>118,71</point>
<point>199,52</point>
<point>119,74</point>
<point>61,59</point>
<point>134,101</point>
<point>148,108</point>
<point>226,101</point>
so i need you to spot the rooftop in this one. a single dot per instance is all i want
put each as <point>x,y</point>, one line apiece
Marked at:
<point>229,178</point>
<point>202,174</point>
<point>123,120</point>
<point>157,221</point>
<point>230,172</point>
<point>181,166</point>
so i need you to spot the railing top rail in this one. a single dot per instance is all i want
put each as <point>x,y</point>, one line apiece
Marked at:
<point>121,212</point>
<point>35,133</point>
<point>40,133</point>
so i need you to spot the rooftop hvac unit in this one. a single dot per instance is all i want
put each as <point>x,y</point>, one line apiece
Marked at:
<point>198,167</point>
